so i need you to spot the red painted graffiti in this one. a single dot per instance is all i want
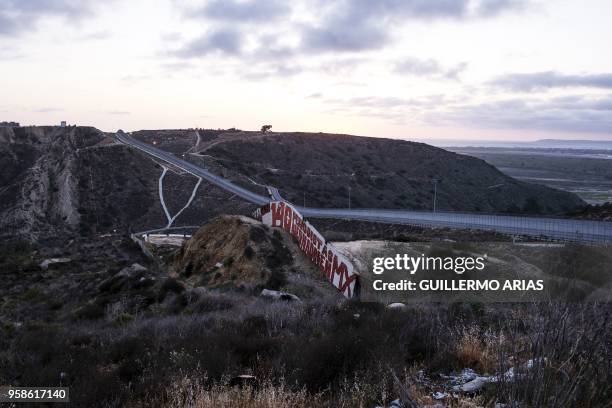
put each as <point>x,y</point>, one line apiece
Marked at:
<point>336,267</point>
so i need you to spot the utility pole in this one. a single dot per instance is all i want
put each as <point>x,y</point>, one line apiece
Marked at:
<point>349,188</point>
<point>435,181</point>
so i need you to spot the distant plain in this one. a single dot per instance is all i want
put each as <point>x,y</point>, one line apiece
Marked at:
<point>587,173</point>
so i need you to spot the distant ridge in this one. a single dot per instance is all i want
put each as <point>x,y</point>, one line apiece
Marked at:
<point>574,144</point>
<point>537,144</point>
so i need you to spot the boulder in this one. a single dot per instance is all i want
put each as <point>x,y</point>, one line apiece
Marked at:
<point>51,261</point>
<point>472,386</point>
<point>396,306</point>
<point>439,395</point>
<point>278,295</point>
<point>136,267</point>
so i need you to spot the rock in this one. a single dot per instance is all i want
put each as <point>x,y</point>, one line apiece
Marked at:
<point>124,273</point>
<point>465,376</point>
<point>396,306</point>
<point>132,270</point>
<point>198,291</point>
<point>136,267</point>
<point>396,404</point>
<point>278,295</point>
<point>439,395</point>
<point>473,386</point>
<point>45,264</point>
<point>512,375</point>
<point>195,294</point>
<point>243,380</point>
<point>143,282</point>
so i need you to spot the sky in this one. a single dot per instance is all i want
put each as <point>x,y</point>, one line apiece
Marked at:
<point>413,69</point>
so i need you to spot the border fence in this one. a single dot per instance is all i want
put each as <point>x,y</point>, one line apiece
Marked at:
<point>562,229</point>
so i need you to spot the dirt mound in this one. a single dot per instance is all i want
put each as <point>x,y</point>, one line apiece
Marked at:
<point>236,251</point>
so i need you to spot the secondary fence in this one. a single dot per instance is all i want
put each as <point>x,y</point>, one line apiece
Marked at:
<point>562,229</point>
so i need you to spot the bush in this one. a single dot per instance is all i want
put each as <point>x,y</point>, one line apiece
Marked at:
<point>248,252</point>
<point>169,285</point>
<point>90,311</point>
<point>277,279</point>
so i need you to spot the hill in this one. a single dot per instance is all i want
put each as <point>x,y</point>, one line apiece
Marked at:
<point>376,172</point>
<point>77,181</point>
<point>232,251</point>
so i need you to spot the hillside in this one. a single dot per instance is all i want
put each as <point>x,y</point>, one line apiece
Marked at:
<point>121,329</point>
<point>381,173</point>
<point>77,180</point>
<point>231,251</point>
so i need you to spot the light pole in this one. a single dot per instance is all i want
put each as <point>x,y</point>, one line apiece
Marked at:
<point>435,181</point>
<point>304,199</point>
<point>349,189</point>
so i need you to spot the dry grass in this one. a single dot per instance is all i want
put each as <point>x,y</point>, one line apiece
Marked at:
<point>321,355</point>
<point>187,393</point>
<point>476,350</point>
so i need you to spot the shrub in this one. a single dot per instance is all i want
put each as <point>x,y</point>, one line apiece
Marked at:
<point>90,311</point>
<point>169,285</point>
<point>212,303</point>
<point>227,262</point>
<point>248,252</point>
<point>277,279</point>
<point>32,294</point>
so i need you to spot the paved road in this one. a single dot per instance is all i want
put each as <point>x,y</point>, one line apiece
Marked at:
<point>274,193</point>
<point>195,170</point>
<point>563,229</point>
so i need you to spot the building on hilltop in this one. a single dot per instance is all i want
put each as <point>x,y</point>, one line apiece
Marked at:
<point>9,124</point>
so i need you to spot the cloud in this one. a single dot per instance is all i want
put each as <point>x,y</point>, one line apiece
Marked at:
<point>275,71</point>
<point>384,107</point>
<point>339,26</point>
<point>133,79</point>
<point>580,114</point>
<point>392,101</point>
<point>8,25</point>
<point>574,113</point>
<point>358,25</point>
<point>244,11</point>
<point>428,68</point>
<point>17,16</point>
<point>342,37</point>
<point>115,112</point>
<point>48,110</point>
<point>225,40</point>
<point>10,53</point>
<point>551,79</point>
<point>488,8</point>
<point>96,35</point>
